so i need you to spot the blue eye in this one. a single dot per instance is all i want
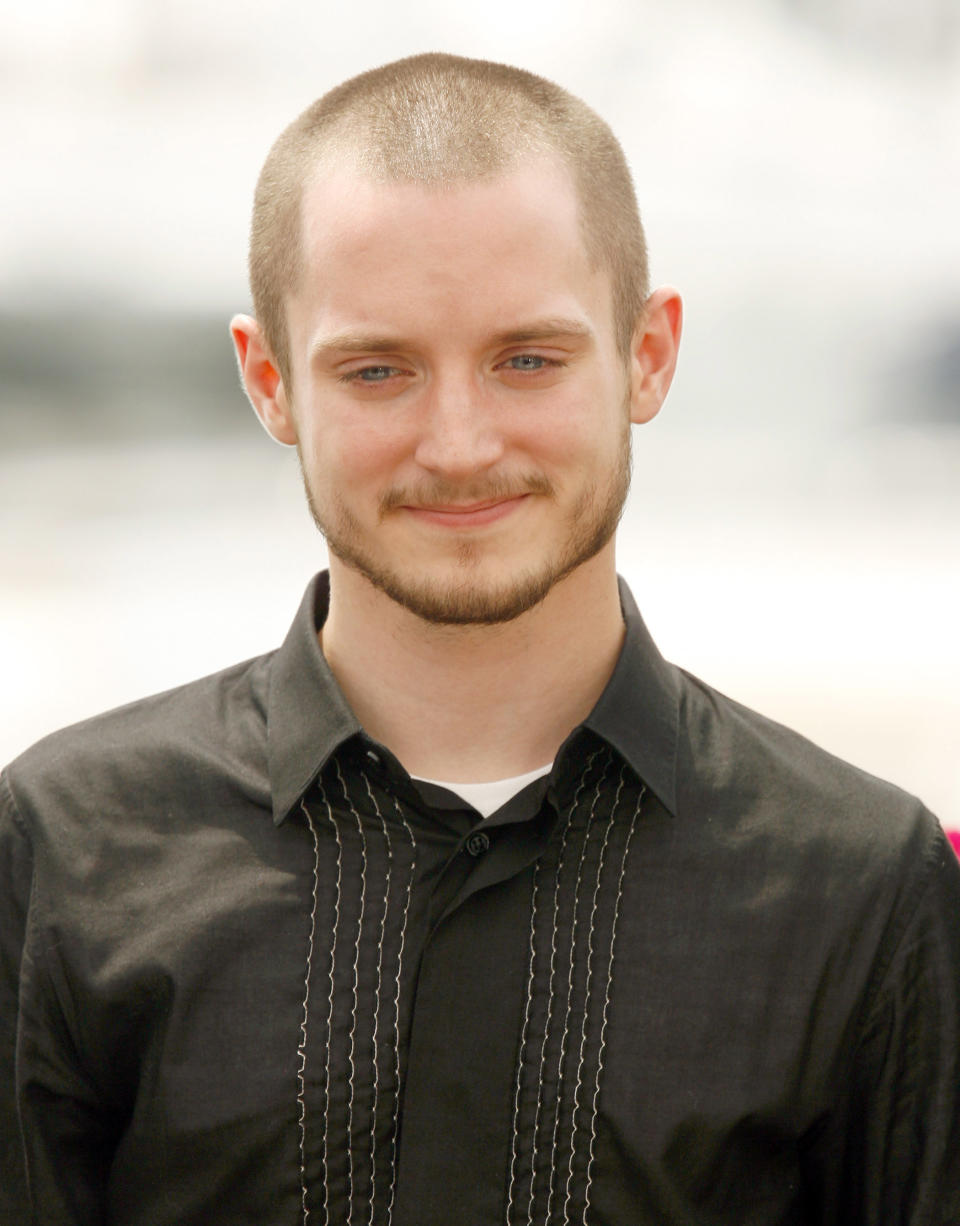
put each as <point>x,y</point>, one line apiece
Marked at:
<point>527,361</point>
<point>373,374</point>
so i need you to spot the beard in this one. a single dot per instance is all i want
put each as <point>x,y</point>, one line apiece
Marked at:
<point>470,598</point>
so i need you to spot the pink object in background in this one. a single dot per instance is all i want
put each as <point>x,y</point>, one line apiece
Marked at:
<point>954,837</point>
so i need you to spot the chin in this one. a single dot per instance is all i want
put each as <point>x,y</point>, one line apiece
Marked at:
<point>457,601</point>
<point>479,582</point>
<point>475,599</point>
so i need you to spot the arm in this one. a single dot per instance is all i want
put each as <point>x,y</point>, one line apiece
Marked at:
<point>55,1154</point>
<point>909,1066</point>
<point>16,869</point>
<point>892,1157</point>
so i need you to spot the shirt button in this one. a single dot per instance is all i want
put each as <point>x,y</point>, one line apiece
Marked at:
<point>477,843</point>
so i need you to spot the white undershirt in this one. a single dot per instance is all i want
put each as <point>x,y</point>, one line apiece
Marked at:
<point>486,798</point>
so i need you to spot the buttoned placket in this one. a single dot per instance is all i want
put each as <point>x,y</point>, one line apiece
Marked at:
<point>380,888</point>
<point>394,893</point>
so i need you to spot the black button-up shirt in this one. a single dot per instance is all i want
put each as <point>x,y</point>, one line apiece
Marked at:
<point>250,972</point>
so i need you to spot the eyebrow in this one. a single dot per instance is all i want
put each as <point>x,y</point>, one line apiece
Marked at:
<point>354,341</point>
<point>545,329</point>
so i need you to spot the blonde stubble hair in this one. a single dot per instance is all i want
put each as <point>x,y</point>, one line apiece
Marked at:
<point>441,120</point>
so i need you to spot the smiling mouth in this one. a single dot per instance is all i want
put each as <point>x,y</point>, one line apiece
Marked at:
<point>469,514</point>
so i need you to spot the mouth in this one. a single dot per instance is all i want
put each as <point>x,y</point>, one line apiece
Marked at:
<point>467,514</point>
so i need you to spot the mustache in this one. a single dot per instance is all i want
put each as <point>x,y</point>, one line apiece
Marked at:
<point>449,493</point>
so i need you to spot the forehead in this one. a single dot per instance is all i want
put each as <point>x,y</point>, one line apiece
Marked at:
<point>512,241</point>
<point>341,201</point>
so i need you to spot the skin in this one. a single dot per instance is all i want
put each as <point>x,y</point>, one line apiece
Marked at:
<point>463,420</point>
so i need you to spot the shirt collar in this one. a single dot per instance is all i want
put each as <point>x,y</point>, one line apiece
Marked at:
<point>308,717</point>
<point>307,714</point>
<point>639,711</point>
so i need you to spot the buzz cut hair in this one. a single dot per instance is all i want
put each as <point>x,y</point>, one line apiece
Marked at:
<point>441,120</point>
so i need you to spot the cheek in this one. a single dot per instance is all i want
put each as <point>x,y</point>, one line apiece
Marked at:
<point>352,452</point>
<point>576,439</point>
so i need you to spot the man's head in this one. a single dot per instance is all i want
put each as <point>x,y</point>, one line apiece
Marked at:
<point>441,120</point>
<point>460,370</point>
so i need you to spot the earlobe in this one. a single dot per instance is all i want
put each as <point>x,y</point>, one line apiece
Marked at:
<point>653,358</point>
<point>261,380</point>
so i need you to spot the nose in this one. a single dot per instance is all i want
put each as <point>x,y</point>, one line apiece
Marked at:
<point>459,431</point>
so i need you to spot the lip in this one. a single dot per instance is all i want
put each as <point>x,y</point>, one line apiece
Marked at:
<point>467,515</point>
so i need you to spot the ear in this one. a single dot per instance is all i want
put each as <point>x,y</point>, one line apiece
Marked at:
<point>261,380</point>
<point>653,356</point>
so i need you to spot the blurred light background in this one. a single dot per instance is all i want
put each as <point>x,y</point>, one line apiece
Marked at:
<point>794,531</point>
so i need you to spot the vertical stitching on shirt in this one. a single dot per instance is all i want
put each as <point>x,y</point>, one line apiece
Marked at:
<point>606,999</point>
<point>549,1018</point>
<point>521,1059</point>
<point>574,921</point>
<point>302,1050</point>
<point>351,1057</point>
<point>395,1128</point>
<point>587,989</point>
<point>325,1152</point>
<point>376,1006</point>
<point>514,1144</point>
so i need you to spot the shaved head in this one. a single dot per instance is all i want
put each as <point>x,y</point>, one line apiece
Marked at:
<point>442,120</point>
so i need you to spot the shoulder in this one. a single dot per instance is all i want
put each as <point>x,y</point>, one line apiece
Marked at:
<point>207,734</point>
<point>834,865</point>
<point>753,786</point>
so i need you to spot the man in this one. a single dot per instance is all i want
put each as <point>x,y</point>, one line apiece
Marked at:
<point>464,906</point>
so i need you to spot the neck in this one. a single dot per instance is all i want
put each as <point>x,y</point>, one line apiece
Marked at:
<point>475,703</point>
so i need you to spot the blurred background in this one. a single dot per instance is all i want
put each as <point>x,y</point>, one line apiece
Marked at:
<point>793,535</point>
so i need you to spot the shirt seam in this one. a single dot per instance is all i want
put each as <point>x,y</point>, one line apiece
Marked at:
<point>34,902</point>
<point>35,949</point>
<point>909,910</point>
<point>14,807</point>
<point>19,822</point>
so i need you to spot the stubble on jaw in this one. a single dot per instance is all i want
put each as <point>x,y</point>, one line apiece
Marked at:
<point>465,601</point>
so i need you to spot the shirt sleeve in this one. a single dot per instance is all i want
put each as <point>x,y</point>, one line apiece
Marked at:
<point>896,1153</point>
<point>56,1145</point>
<point>16,868</point>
